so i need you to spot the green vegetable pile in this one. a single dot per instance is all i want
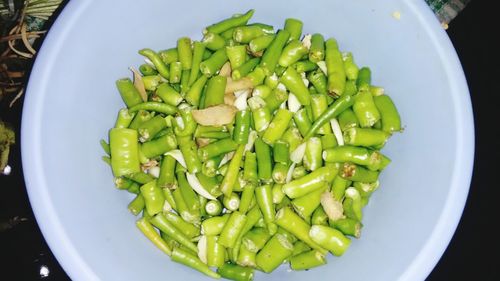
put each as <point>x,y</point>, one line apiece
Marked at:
<point>250,148</point>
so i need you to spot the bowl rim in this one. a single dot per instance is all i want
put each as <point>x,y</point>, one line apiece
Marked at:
<point>76,267</point>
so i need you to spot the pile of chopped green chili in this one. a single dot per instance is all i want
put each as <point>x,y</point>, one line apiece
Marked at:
<point>250,148</point>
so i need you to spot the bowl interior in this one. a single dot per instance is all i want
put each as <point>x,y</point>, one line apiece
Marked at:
<point>72,102</point>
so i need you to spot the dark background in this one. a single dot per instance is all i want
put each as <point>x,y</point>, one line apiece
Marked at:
<point>471,255</point>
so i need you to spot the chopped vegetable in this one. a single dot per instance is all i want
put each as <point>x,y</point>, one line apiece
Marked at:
<point>252,147</point>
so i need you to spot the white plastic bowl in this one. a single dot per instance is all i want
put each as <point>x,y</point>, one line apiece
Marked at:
<point>71,103</point>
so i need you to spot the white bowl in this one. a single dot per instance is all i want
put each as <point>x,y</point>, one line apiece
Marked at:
<point>71,102</point>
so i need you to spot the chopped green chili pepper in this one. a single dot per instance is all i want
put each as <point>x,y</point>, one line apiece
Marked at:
<point>257,76</point>
<point>244,69</point>
<point>214,225</point>
<point>134,188</point>
<point>148,230</point>
<point>237,55</point>
<point>232,229</point>
<point>292,137</point>
<point>280,171</point>
<point>141,177</point>
<point>136,205</point>
<point>213,208</point>
<point>124,151</point>
<point>300,247</point>
<point>161,222</point>
<point>317,50</point>
<point>264,162</point>
<point>276,250</point>
<point>184,257</point>
<point>242,126</point>
<point>329,238</point>
<point>391,121</point>
<point>305,205</point>
<point>175,72</point>
<point>281,152</point>
<point>347,119</point>
<point>198,51</point>
<point>260,43</point>
<point>302,121</point>
<point>294,27</point>
<point>250,168</point>
<point>348,226</point>
<point>328,141</point>
<point>339,186</point>
<point>212,65</point>
<point>184,227</point>
<point>130,95</point>
<point>364,79</point>
<point>277,193</point>
<point>365,137</point>
<point>124,118</point>
<point>150,128</point>
<point>217,148</point>
<point>194,94</point>
<point>319,81</point>
<point>264,197</point>
<point>153,198</point>
<point>355,154</point>
<point>182,208</point>
<point>235,272</point>
<point>188,194</point>
<point>154,106</point>
<point>169,56</point>
<point>262,91</point>
<point>292,53</point>
<point>291,222</point>
<point>365,189</point>
<point>309,182</point>
<point>351,69</point>
<point>185,53</point>
<point>299,172</point>
<point>160,66</point>
<point>313,155</point>
<point>209,168</point>
<point>245,34</point>
<point>353,172</point>
<point>246,257</point>
<point>275,99</point>
<point>232,174</point>
<point>333,111</point>
<point>188,149</point>
<point>151,82</point>
<point>215,252</point>
<point>278,126</point>
<point>231,202</point>
<point>215,91</point>
<point>147,70</point>
<point>246,198</point>
<point>167,172</point>
<point>273,52</point>
<point>168,94</point>
<point>304,66</point>
<point>293,82</point>
<point>319,217</point>
<point>335,68</point>
<point>307,260</point>
<point>105,146</point>
<point>213,41</point>
<point>319,105</point>
<point>365,109</point>
<point>229,23</point>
